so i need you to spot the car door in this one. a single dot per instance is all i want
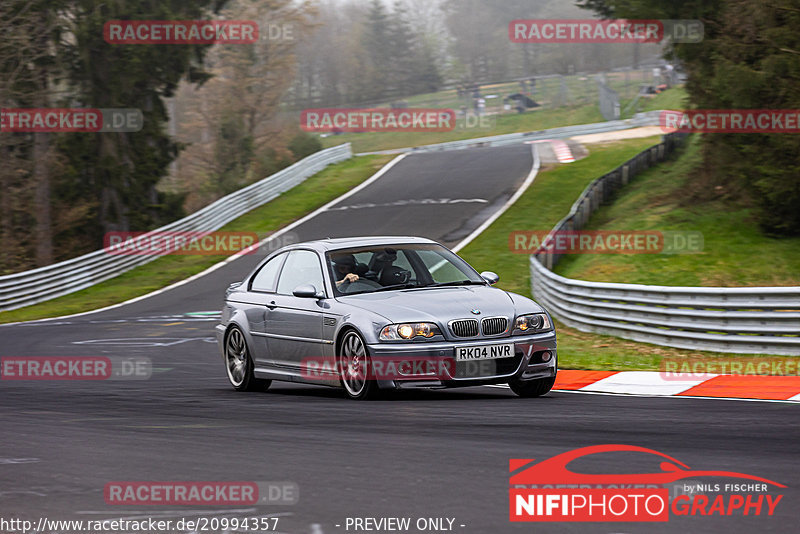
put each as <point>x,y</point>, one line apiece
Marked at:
<point>259,306</point>
<point>294,325</point>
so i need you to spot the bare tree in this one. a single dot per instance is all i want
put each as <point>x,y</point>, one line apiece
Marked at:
<point>26,51</point>
<point>233,118</point>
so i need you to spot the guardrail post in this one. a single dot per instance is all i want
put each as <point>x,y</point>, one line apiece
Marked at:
<point>588,210</point>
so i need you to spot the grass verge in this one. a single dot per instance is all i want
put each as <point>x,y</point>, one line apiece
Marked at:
<point>546,202</point>
<point>540,208</point>
<point>733,245</point>
<point>541,119</point>
<point>503,124</point>
<point>311,194</point>
<point>673,98</point>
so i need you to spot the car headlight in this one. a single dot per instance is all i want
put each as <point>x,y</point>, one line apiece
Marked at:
<point>394,332</point>
<point>533,322</point>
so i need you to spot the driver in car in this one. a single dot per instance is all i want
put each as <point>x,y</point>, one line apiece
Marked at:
<point>344,266</point>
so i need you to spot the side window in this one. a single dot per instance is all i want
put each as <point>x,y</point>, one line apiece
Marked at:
<point>302,267</point>
<point>264,280</point>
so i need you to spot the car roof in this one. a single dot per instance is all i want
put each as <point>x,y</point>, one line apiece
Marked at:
<point>325,245</point>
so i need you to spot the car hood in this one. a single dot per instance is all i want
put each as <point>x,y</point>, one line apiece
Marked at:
<point>442,304</point>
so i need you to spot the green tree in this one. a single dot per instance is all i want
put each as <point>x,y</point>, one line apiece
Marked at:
<point>304,144</point>
<point>377,78</point>
<point>403,65</point>
<point>749,59</point>
<point>121,170</point>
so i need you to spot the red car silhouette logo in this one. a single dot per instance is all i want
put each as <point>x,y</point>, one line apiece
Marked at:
<point>554,470</point>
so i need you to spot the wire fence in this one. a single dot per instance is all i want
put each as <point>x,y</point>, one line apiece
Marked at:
<point>549,92</point>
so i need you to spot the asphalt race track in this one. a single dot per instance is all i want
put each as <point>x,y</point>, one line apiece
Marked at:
<point>438,454</point>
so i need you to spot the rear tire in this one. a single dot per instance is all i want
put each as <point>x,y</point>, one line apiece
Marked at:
<point>532,388</point>
<point>239,363</point>
<point>354,367</point>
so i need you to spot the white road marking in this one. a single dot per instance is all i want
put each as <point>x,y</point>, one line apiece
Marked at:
<point>144,341</point>
<point>412,202</point>
<point>524,187</point>
<point>644,383</point>
<point>383,170</point>
<point>580,392</point>
<point>560,148</point>
<point>184,317</point>
<point>22,492</point>
<point>584,391</point>
<point>139,514</point>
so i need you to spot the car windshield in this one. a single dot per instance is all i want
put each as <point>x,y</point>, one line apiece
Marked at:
<point>395,267</point>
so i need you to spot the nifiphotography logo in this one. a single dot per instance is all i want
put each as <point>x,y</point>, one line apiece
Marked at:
<point>549,491</point>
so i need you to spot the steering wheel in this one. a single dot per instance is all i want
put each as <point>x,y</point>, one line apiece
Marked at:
<point>362,284</point>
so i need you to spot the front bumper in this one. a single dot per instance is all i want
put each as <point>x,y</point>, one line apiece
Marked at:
<point>526,364</point>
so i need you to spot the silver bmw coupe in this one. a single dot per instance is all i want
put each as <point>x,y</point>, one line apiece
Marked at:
<point>374,313</point>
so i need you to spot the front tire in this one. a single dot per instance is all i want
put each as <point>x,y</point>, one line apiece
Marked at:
<point>355,367</point>
<point>239,363</point>
<point>532,388</point>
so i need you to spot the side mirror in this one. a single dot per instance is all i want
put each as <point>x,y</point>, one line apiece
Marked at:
<point>232,288</point>
<point>307,291</point>
<point>490,277</point>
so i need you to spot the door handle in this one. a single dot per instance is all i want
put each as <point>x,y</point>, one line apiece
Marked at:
<point>272,305</point>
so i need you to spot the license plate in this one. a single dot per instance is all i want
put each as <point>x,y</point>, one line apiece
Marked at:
<point>484,352</point>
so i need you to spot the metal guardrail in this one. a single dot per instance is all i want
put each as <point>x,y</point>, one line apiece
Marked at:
<point>741,320</point>
<point>649,118</point>
<point>45,283</point>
